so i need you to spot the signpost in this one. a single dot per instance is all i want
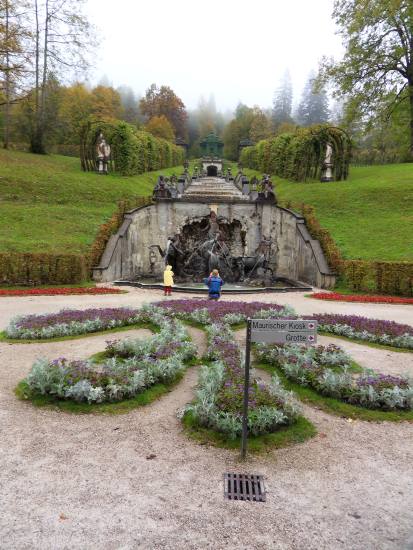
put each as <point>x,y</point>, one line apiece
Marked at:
<point>272,331</point>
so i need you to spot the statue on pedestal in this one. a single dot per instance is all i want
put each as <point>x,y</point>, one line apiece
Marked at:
<point>327,170</point>
<point>102,155</point>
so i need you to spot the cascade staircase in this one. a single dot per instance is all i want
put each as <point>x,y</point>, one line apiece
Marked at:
<point>213,188</point>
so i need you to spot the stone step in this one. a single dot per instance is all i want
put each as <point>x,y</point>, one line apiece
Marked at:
<point>214,187</point>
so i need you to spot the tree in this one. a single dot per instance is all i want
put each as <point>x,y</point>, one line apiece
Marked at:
<point>164,101</point>
<point>14,62</point>
<point>106,103</point>
<point>283,101</point>
<point>62,37</point>
<point>376,72</point>
<point>159,126</point>
<point>75,107</point>
<point>207,116</point>
<point>238,129</point>
<point>261,127</point>
<point>25,115</point>
<point>313,108</point>
<point>202,121</point>
<point>130,105</point>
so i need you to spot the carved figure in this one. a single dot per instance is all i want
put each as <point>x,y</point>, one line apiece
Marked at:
<point>103,155</point>
<point>327,171</point>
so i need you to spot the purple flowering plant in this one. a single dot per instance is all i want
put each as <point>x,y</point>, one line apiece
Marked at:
<point>217,310</point>
<point>67,316</point>
<point>360,324</point>
<point>230,397</point>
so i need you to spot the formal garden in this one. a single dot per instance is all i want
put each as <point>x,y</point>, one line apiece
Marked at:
<point>130,372</point>
<point>206,275</point>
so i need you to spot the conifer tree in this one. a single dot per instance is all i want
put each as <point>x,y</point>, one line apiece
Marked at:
<point>283,101</point>
<point>313,107</point>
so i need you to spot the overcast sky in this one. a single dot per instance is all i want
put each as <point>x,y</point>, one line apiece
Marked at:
<point>234,49</point>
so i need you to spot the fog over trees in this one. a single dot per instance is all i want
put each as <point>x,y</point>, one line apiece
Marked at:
<point>47,46</point>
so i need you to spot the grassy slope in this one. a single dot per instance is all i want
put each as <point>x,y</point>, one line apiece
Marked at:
<point>47,204</point>
<point>370,216</point>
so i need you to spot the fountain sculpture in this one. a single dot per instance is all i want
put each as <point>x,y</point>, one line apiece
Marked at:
<point>208,219</point>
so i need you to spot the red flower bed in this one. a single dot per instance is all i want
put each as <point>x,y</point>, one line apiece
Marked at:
<point>361,298</point>
<point>64,291</point>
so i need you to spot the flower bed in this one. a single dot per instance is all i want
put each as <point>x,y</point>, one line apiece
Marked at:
<point>208,311</point>
<point>370,330</point>
<point>219,399</point>
<point>351,326</point>
<point>71,322</point>
<point>364,298</point>
<point>133,366</point>
<point>64,291</point>
<point>75,322</point>
<point>327,370</point>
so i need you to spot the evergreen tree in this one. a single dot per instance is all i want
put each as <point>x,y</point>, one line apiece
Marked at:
<point>130,105</point>
<point>313,107</point>
<point>283,101</point>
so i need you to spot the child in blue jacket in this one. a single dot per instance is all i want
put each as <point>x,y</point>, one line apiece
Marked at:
<point>214,283</point>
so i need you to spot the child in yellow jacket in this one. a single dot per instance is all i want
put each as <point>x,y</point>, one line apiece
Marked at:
<point>168,280</point>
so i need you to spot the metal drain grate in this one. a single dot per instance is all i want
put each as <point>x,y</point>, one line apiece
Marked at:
<point>244,487</point>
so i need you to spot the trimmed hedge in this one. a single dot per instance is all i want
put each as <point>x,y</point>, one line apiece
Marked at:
<point>327,242</point>
<point>360,275</point>
<point>300,155</point>
<point>112,225</point>
<point>40,269</point>
<point>383,277</point>
<point>133,151</point>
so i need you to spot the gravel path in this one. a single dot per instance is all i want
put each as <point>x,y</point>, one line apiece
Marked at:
<point>385,361</point>
<point>91,481</point>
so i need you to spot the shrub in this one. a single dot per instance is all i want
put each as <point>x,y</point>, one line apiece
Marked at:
<point>134,366</point>
<point>40,269</point>
<point>327,370</point>
<point>300,155</point>
<point>219,398</point>
<point>133,151</point>
<point>112,225</point>
<point>360,275</point>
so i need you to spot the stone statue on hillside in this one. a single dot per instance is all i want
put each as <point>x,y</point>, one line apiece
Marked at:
<point>327,171</point>
<point>102,155</point>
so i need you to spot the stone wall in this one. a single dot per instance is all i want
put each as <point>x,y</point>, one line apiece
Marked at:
<point>294,254</point>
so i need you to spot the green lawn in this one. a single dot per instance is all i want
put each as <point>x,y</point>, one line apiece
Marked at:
<point>47,204</point>
<point>370,215</point>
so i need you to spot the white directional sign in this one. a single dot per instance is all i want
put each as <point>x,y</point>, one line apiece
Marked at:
<point>283,331</point>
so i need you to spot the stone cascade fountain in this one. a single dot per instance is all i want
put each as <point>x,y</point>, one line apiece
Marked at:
<point>201,222</point>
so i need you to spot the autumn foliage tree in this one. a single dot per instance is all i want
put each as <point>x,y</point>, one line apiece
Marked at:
<point>159,126</point>
<point>105,103</point>
<point>164,101</point>
<point>14,59</point>
<point>75,107</point>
